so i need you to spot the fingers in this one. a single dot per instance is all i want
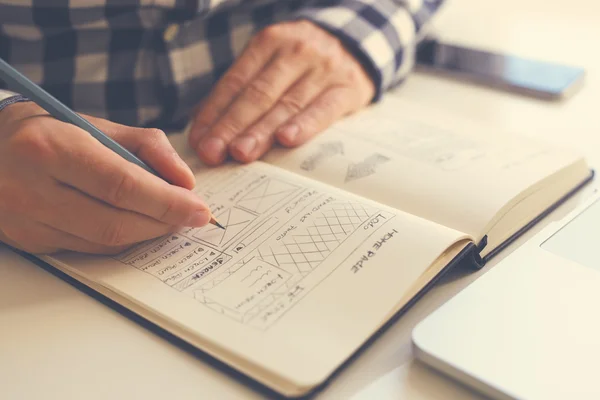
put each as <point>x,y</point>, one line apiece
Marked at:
<point>257,54</point>
<point>62,189</point>
<point>67,210</point>
<point>98,172</point>
<point>258,97</point>
<point>259,138</point>
<point>38,238</point>
<point>322,112</point>
<point>152,147</point>
<point>303,68</point>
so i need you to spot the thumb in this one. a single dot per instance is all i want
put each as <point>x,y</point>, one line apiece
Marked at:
<point>151,146</point>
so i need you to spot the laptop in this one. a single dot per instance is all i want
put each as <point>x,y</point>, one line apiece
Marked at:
<point>529,328</point>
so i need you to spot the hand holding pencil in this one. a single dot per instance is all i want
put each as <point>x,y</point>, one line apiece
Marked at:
<point>63,189</point>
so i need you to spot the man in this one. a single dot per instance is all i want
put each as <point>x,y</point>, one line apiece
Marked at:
<point>247,73</point>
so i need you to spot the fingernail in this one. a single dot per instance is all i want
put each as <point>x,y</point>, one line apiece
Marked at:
<point>212,148</point>
<point>245,145</point>
<point>289,132</point>
<point>198,219</point>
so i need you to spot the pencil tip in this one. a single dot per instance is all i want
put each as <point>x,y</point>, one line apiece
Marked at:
<point>219,225</point>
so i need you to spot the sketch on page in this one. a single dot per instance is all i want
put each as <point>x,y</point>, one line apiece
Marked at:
<point>325,151</point>
<point>424,143</point>
<point>274,249</point>
<point>444,149</point>
<point>366,167</point>
<point>356,170</point>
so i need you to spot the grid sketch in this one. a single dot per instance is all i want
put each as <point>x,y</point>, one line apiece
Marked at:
<point>303,251</point>
<point>292,261</point>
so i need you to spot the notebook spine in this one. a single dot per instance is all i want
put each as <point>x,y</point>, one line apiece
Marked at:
<point>477,261</point>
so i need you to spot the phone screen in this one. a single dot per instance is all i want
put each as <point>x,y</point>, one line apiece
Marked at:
<point>537,78</point>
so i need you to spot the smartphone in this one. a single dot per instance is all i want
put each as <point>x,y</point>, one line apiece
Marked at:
<point>539,79</point>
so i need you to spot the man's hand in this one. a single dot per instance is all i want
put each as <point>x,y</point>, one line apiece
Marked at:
<point>60,189</point>
<point>292,81</point>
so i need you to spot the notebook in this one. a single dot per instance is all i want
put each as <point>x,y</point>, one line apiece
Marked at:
<point>326,244</point>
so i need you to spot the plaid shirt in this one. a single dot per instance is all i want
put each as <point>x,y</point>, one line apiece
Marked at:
<point>149,62</point>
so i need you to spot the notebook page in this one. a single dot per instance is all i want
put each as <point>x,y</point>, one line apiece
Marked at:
<point>300,277</point>
<point>441,168</point>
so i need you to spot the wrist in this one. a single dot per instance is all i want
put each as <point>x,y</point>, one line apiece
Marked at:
<point>12,111</point>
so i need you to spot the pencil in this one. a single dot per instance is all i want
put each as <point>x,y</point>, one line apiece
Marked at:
<point>22,85</point>
<point>216,223</point>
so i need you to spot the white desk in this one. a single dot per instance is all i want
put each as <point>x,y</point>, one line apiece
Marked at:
<point>57,343</point>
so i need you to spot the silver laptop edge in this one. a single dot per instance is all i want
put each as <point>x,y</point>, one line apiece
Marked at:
<point>568,239</point>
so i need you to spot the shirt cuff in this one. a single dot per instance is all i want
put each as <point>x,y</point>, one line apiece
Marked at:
<point>17,98</point>
<point>381,34</point>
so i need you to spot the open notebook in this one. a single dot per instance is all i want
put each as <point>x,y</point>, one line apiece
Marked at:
<point>325,243</point>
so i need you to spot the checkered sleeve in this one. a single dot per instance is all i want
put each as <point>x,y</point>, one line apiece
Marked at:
<point>382,34</point>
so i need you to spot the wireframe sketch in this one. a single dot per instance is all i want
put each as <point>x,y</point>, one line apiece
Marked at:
<point>254,235</point>
<point>426,143</point>
<point>275,248</point>
<point>303,250</point>
<point>325,151</point>
<point>365,168</point>
<point>176,260</point>
<point>266,195</point>
<point>237,292</point>
<point>260,288</point>
<point>234,220</point>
